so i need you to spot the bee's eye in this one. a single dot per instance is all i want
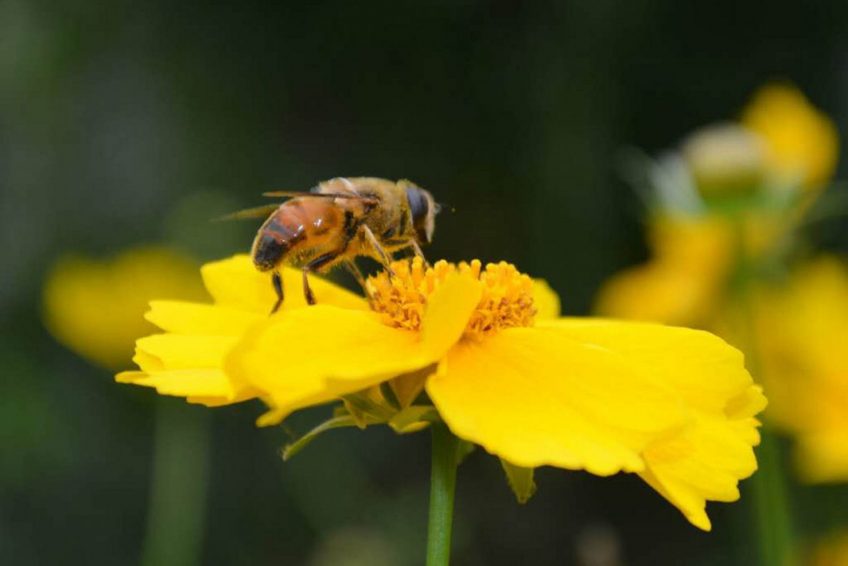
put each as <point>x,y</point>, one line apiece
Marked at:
<point>418,204</point>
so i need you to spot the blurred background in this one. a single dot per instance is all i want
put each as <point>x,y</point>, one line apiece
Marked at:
<point>126,124</point>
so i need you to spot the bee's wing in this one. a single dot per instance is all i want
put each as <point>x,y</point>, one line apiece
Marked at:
<point>277,194</point>
<point>255,212</point>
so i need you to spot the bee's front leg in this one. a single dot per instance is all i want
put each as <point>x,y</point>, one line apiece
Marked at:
<point>277,281</point>
<point>384,257</point>
<point>354,270</point>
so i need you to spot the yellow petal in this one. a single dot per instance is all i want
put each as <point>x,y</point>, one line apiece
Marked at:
<point>705,459</point>
<point>236,283</point>
<point>447,313</point>
<point>180,317</point>
<point>701,367</point>
<point>177,351</point>
<point>312,355</point>
<point>537,397</point>
<point>546,300</point>
<point>206,386</point>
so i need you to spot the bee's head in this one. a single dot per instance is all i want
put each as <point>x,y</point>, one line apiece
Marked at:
<point>423,210</point>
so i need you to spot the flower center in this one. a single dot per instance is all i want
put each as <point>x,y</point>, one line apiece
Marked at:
<point>506,300</point>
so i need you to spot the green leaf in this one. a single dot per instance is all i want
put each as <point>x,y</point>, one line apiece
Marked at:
<point>302,442</point>
<point>520,481</point>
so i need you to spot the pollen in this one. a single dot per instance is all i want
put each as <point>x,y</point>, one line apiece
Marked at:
<point>401,298</point>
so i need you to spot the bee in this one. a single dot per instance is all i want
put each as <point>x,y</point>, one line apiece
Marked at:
<point>337,221</point>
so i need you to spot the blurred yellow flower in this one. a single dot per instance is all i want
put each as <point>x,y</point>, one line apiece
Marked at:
<point>782,141</point>
<point>801,142</point>
<point>830,551</point>
<point>803,332</point>
<point>95,307</point>
<point>671,404</point>
<point>683,282</point>
<point>725,159</point>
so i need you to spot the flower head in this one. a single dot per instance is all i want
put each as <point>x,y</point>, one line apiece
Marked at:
<point>803,327</point>
<point>498,367</point>
<point>801,142</point>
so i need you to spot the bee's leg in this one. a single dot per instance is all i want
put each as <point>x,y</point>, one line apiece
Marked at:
<point>418,252</point>
<point>384,257</point>
<point>357,274</point>
<point>277,281</point>
<point>315,265</point>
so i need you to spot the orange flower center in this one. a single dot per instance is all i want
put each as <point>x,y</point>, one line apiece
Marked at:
<point>506,300</point>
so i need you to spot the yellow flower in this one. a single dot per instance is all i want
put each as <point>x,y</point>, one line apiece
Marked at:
<point>803,330</point>
<point>95,308</point>
<point>683,282</point>
<point>832,550</point>
<point>801,141</point>
<point>671,404</point>
<point>725,159</point>
<point>187,360</point>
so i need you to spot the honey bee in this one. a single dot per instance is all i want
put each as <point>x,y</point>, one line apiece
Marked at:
<point>337,221</point>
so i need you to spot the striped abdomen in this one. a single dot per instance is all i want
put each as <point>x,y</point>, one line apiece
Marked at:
<point>299,230</point>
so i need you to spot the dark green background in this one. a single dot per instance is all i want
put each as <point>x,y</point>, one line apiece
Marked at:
<point>130,122</point>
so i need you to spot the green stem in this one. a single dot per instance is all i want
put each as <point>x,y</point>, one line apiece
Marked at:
<point>442,487</point>
<point>773,519</point>
<point>177,500</point>
<point>774,525</point>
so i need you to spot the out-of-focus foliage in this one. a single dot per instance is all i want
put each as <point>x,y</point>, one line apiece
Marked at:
<point>123,123</point>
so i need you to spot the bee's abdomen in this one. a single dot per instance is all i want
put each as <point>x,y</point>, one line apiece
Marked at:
<point>268,251</point>
<point>276,237</point>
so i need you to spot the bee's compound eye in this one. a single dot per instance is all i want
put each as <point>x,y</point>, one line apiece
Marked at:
<point>418,204</point>
<point>420,209</point>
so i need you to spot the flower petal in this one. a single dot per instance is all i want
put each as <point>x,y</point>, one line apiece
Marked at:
<point>211,384</point>
<point>178,351</point>
<point>704,369</point>
<point>447,313</point>
<point>706,459</point>
<point>313,355</point>
<point>546,300</point>
<point>236,283</point>
<point>180,317</point>
<point>537,397</point>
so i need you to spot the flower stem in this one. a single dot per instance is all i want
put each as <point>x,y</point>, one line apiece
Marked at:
<point>442,487</point>
<point>774,523</point>
<point>177,502</point>
<point>769,490</point>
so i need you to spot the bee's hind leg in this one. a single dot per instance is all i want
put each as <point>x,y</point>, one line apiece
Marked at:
<point>277,281</point>
<point>315,265</point>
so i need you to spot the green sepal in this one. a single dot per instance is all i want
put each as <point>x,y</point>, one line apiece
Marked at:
<point>465,449</point>
<point>520,480</point>
<point>365,410</point>
<point>413,419</point>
